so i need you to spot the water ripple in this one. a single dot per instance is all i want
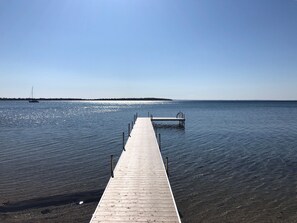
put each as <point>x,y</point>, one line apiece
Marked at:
<point>233,162</point>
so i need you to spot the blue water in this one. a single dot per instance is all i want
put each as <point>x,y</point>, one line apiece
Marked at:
<point>233,161</point>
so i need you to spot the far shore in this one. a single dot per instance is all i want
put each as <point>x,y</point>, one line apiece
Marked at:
<point>84,99</point>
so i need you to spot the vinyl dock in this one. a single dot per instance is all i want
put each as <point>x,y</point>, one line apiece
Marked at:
<point>140,190</point>
<point>167,119</point>
<point>180,117</point>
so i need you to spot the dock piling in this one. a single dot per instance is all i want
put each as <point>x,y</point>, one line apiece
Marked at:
<point>124,141</point>
<point>167,167</point>
<point>129,129</point>
<point>160,141</point>
<point>111,166</point>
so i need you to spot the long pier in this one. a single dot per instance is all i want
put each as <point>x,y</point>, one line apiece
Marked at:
<point>139,189</point>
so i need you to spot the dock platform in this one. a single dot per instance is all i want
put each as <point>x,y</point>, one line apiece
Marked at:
<point>140,190</point>
<point>180,118</point>
<point>167,119</point>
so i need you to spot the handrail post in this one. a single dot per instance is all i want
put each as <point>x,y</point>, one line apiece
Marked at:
<point>111,166</point>
<point>167,167</point>
<point>124,141</point>
<point>129,129</point>
<point>160,141</point>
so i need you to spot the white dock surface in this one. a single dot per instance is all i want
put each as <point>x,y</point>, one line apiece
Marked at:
<point>167,119</point>
<point>140,190</point>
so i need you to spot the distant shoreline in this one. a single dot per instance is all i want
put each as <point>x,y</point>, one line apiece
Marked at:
<point>141,99</point>
<point>83,99</point>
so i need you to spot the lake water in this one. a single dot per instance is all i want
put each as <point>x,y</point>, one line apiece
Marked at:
<point>233,161</point>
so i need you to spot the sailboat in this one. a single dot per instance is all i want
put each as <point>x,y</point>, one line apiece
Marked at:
<point>32,100</point>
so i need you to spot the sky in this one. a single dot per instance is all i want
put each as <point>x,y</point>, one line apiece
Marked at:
<point>180,49</point>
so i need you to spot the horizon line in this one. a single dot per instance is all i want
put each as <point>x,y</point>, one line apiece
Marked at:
<point>141,99</point>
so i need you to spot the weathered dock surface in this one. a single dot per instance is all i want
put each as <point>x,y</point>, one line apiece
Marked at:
<point>140,190</point>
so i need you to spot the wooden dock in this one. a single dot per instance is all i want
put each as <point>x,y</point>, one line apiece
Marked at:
<point>140,190</point>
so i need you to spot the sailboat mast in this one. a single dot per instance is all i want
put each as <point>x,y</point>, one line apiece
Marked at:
<point>32,96</point>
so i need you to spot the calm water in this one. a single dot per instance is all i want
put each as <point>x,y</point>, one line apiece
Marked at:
<point>234,161</point>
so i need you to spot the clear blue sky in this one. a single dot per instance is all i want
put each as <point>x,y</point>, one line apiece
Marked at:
<point>182,49</point>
